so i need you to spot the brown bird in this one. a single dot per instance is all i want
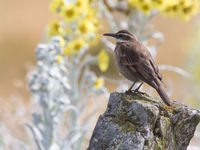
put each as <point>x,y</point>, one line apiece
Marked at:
<point>136,64</point>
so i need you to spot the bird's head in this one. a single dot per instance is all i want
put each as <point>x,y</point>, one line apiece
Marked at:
<point>122,36</point>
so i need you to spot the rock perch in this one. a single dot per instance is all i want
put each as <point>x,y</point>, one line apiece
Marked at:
<point>139,122</point>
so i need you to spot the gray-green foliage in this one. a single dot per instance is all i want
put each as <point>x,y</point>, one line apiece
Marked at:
<point>62,91</point>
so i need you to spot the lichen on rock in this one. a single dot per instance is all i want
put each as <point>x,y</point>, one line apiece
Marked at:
<point>140,122</point>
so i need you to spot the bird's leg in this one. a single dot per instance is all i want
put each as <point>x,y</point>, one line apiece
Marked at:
<point>137,90</point>
<point>131,86</point>
<point>130,89</point>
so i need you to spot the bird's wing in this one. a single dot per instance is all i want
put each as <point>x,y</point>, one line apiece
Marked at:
<point>137,59</point>
<point>128,55</point>
<point>155,67</point>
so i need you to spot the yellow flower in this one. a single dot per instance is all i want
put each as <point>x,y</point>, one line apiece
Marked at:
<point>171,8</point>
<point>103,60</point>
<point>70,13</point>
<point>143,5</point>
<point>87,26</point>
<point>98,83</point>
<point>55,5</point>
<point>188,8</point>
<point>133,3</point>
<point>82,6</point>
<point>59,59</point>
<point>159,4</point>
<point>73,47</point>
<point>92,13</point>
<point>181,8</point>
<point>146,6</point>
<point>55,28</point>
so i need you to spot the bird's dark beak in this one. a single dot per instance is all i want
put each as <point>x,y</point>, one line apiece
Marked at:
<point>109,34</point>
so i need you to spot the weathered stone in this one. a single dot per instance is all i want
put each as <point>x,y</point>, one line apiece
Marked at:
<point>139,122</point>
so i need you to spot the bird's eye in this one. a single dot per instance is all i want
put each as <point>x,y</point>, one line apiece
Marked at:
<point>126,37</point>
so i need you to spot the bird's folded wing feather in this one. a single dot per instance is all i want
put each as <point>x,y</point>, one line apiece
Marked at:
<point>155,67</point>
<point>138,62</point>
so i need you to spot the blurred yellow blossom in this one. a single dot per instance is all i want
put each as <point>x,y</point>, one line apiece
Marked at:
<point>83,6</point>
<point>146,7</point>
<point>189,8</point>
<point>80,20</point>
<point>159,4</point>
<point>143,5</point>
<point>85,26</point>
<point>70,13</point>
<point>99,83</point>
<point>89,23</point>
<point>181,8</point>
<point>55,28</point>
<point>103,60</point>
<point>55,5</point>
<point>59,59</point>
<point>73,47</point>
<point>171,8</point>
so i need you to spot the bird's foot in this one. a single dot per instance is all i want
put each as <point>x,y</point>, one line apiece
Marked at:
<point>129,92</point>
<point>138,92</point>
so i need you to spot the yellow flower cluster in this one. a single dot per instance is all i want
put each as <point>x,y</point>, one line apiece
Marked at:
<point>74,46</point>
<point>79,28</point>
<point>181,8</point>
<point>80,23</point>
<point>55,28</point>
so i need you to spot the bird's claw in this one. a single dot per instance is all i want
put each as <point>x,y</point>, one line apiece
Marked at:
<point>138,92</point>
<point>130,92</point>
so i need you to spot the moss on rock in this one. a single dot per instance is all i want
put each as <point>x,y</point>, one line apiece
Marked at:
<point>140,122</point>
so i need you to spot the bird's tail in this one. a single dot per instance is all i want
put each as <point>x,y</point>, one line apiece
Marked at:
<point>163,95</point>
